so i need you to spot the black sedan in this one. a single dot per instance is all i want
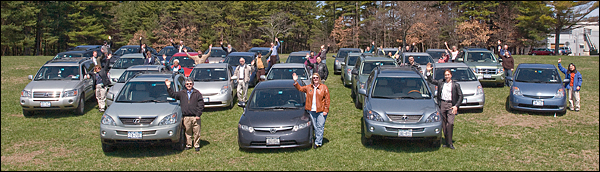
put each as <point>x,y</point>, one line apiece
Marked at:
<point>274,117</point>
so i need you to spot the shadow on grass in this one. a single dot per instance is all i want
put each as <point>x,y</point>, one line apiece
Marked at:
<point>90,105</point>
<point>518,112</point>
<point>277,150</point>
<point>400,145</point>
<point>148,150</point>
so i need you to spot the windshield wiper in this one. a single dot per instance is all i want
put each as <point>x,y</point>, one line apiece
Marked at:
<point>406,97</point>
<point>151,100</point>
<point>383,97</point>
<point>280,107</point>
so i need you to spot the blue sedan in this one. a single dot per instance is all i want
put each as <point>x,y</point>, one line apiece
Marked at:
<point>537,88</point>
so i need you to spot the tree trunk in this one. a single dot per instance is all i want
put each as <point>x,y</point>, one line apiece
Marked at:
<point>556,39</point>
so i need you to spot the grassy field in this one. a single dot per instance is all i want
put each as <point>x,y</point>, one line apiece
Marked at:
<point>494,139</point>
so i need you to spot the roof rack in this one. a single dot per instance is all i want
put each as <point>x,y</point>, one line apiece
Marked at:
<point>70,59</point>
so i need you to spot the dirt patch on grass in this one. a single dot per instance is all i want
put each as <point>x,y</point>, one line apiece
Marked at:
<point>590,157</point>
<point>20,158</point>
<point>39,157</point>
<point>520,120</point>
<point>18,146</point>
<point>14,80</point>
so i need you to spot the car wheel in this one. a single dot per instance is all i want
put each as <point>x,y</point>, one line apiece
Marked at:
<point>365,141</point>
<point>357,104</point>
<point>436,143</point>
<point>352,94</point>
<point>179,146</point>
<point>81,105</point>
<point>27,113</point>
<point>107,148</point>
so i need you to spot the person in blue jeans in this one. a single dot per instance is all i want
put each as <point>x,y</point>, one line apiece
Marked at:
<point>317,104</point>
<point>573,86</point>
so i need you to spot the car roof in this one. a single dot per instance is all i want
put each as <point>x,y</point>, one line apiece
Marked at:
<point>260,48</point>
<point>435,50</point>
<point>133,55</point>
<point>72,52</point>
<point>477,49</point>
<point>390,49</point>
<point>354,54</point>
<point>151,77</point>
<point>185,55</point>
<point>298,54</point>
<point>349,49</point>
<point>288,65</point>
<point>66,61</point>
<point>378,58</point>
<point>448,65</point>
<point>396,71</point>
<point>536,65</point>
<point>276,83</point>
<point>211,65</point>
<point>241,54</point>
<point>415,54</point>
<point>144,67</point>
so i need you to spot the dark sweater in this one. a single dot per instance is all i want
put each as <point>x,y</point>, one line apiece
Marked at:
<point>189,107</point>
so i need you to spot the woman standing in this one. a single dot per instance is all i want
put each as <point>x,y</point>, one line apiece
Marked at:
<point>317,104</point>
<point>453,51</point>
<point>574,84</point>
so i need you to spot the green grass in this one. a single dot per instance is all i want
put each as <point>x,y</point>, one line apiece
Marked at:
<point>494,139</point>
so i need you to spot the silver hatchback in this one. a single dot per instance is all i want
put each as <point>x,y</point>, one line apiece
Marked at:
<point>214,81</point>
<point>474,97</point>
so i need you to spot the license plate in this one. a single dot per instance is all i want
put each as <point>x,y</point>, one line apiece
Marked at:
<point>206,99</point>
<point>487,75</point>
<point>538,102</point>
<point>464,100</point>
<point>45,104</point>
<point>405,133</point>
<point>272,140</point>
<point>134,134</point>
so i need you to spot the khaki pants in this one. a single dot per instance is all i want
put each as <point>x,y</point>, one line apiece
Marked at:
<point>101,96</point>
<point>447,120</point>
<point>242,90</point>
<point>573,96</point>
<point>192,126</point>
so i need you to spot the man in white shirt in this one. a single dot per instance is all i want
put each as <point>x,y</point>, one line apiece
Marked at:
<point>242,72</point>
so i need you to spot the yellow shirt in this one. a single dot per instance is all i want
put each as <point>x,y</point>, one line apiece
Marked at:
<point>259,63</point>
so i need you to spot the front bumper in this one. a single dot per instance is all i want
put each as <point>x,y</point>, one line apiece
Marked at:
<point>288,138</point>
<point>494,78</point>
<point>473,102</point>
<point>219,100</point>
<point>526,104</point>
<point>390,130</point>
<point>117,135</point>
<point>65,103</point>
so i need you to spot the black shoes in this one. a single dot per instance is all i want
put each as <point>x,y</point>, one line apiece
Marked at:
<point>187,148</point>
<point>446,146</point>
<point>197,149</point>
<point>451,146</point>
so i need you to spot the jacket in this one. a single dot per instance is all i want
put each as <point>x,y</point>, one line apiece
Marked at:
<point>247,71</point>
<point>103,76</point>
<point>371,50</point>
<point>227,51</point>
<point>177,47</point>
<point>321,68</point>
<point>263,59</point>
<point>322,96</point>
<point>199,60</point>
<point>149,61</point>
<point>578,78</point>
<point>507,62</point>
<point>323,54</point>
<point>144,49</point>
<point>275,48</point>
<point>457,95</point>
<point>312,59</point>
<point>189,107</point>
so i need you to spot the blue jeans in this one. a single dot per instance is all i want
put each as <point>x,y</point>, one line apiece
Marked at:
<point>318,121</point>
<point>507,73</point>
<point>324,61</point>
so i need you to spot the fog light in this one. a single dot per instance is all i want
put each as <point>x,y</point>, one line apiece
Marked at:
<point>103,133</point>
<point>371,129</point>
<point>170,132</point>
<point>22,102</point>
<point>437,130</point>
<point>70,101</point>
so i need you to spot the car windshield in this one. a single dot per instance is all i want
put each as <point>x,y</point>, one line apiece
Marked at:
<point>286,73</point>
<point>296,59</point>
<point>124,63</point>
<point>217,53</point>
<point>235,60</point>
<point>67,55</point>
<point>58,73</point>
<point>459,74</point>
<point>262,52</point>
<point>480,57</point>
<point>352,60</point>
<point>128,75</point>
<point>537,75</point>
<point>369,66</point>
<point>209,74</point>
<point>129,50</point>
<point>184,61</point>
<point>387,52</point>
<point>141,92</point>
<point>422,60</point>
<point>435,54</point>
<point>276,98</point>
<point>399,88</point>
<point>169,51</point>
<point>344,53</point>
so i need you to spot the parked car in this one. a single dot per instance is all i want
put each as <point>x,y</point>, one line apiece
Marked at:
<point>296,57</point>
<point>217,54</point>
<point>233,59</point>
<point>129,73</point>
<point>361,72</point>
<point>541,51</point>
<point>59,85</point>
<point>274,117</point>
<point>129,49</point>
<point>125,62</point>
<point>399,105</point>
<point>565,50</point>
<point>342,53</point>
<point>421,58</point>
<point>483,63</point>
<point>285,71</point>
<point>538,88</point>
<point>214,81</point>
<point>435,54</point>
<point>386,51</point>
<point>262,50</point>
<point>143,113</point>
<point>184,61</point>
<point>347,66</point>
<point>169,51</point>
<point>473,95</point>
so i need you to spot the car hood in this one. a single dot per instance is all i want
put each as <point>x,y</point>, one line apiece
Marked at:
<point>52,85</point>
<point>116,73</point>
<point>483,64</point>
<point>409,106</point>
<point>116,88</point>
<point>468,87</point>
<point>148,109</point>
<point>215,59</point>
<point>538,89</point>
<point>211,87</point>
<point>274,118</point>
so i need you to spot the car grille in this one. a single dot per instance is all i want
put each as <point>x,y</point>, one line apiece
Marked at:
<point>277,129</point>
<point>404,118</point>
<point>538,107</point>
<point>467,95</point>
<point>487,71</point>
<point>396,129</point>
<point>538,97</point>
<point>46,94</point>
<point>137,121</point>
<point>143,132</point>
<point>282,142</point>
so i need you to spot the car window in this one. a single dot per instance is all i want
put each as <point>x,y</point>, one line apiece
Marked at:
<point>140,92</point>
<point>459,74</point>
<point>395,87</point>
<point>352,60</point>
<point>480,57</point>
<point>184,61</point>
<point>124,63</point>
<point>235,60</point>
<point>58,73</point>
<point>435,54</point>
<point>262,52</point>
<point>128,75</point>
<point>209,74</point>
<point>344,53</point>
<point>129,50</point>
<point>422,60</point>
<point>217,53</point>
<point>537,75</point>
<point>286,73</point>
<point>369,66</point>
<point>276,97</point>
<point>296,59</point>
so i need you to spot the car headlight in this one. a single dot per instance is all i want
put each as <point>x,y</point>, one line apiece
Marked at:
<point>517,92</point>
<point>337,62</point>
<point>434,117</point>
<point>224,89</point>
<point>373,116</point>
<point>301,126</point>
<point>107,120</point>
<point>474,69</point>
<point>560,93</point>
<point>70,93</point>
<point>479,90</point>
<point>169,119</point>
<point>25,93</point>
<point>362,85</point>
<point>500,70</point>
<point>246,128</point>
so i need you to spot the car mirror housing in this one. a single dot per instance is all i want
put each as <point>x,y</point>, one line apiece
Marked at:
<point>234,77</point>
<point>333,56</point>
<point>354,71</point>
<point>362,91</point>
<point>343,63</point>
<point>459,59</point>
<point>263,77</point>
<point>30,77</point>
<point>110,96</point>
<point>566,80</point>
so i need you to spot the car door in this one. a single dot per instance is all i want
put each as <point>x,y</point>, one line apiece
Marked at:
<point>88,84</point>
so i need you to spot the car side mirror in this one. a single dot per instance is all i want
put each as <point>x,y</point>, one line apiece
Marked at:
<point>30,77</point>
<point>343,63</point>
<point>110,96</point>
<point>333,56</point>
<point>263,77</point>
<point>480,77</point>
<point>566,80</point>
<point>354,71</point>
<point>459,59</point>
<point>500,59</point>
<point>234,77</point>
<point>362,91</point>
<point>111,65</point>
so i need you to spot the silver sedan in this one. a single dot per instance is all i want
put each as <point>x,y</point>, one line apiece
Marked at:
<point>213,80</point>
<point>474,97</point>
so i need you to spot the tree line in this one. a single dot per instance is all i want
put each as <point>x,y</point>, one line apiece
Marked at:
<point>50,27</point>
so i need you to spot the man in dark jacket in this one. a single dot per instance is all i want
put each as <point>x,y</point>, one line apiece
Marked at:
<point>413,65</point>
<point>101,81</point>
<point>449,98</point>
<point>323,54</point>
<point>321,68</point>
<point>192,104</point>
<point>508,62</point>
<point>229,49</point>
<point>179,47</point>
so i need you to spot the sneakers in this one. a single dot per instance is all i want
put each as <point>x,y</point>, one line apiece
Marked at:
<point>101,110</point>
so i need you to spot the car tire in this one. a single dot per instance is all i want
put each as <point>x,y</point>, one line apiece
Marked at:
<point>80,110</point>
<point>357,104</point>
<point>107,148</point>
<point>436,143</point>
<point>364,140</point>
<point>352,94</point>
<point>180,145</point>
<point>561,113</point>
<point>27,113</point>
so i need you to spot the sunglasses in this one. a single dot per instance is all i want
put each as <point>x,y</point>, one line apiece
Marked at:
<point>189,83</point>
<point>315,77</point>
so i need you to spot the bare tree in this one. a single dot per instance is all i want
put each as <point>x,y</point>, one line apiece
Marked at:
<point>276,24</point>
<point>473,33</point>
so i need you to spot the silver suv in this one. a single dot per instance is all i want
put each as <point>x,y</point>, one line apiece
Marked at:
<point>59,85</point>
<point>143,112</point>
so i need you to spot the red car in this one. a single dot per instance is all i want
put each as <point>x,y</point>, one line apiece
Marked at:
<point>185,62</point>
<point>541,51</point>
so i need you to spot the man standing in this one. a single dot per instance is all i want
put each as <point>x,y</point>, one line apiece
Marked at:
<point>449,97</point>
<point>242,72</point>
<point>508,62</point>
<point>259,64</point>
<point>413,65</point>
<point>370,49</point>
<point>323,54</point>
<point>573,86</point>
<point>317,104</point>
<point>191,109</point>
<point>199,60</point>
<point>275,55</point>
<point>149,58</point>
<point>499,47</point>
<point>320,67</point>
<point>228,49</point>
<point>101,80</point>
<point>105,49</point>
<point>143,48</point>
<point>178,47</point>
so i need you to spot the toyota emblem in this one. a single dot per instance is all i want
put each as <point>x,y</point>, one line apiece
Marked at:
<point>46,95</point>
<point>136,121</point>
<point>272,130</point>
<point>405,118</point>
